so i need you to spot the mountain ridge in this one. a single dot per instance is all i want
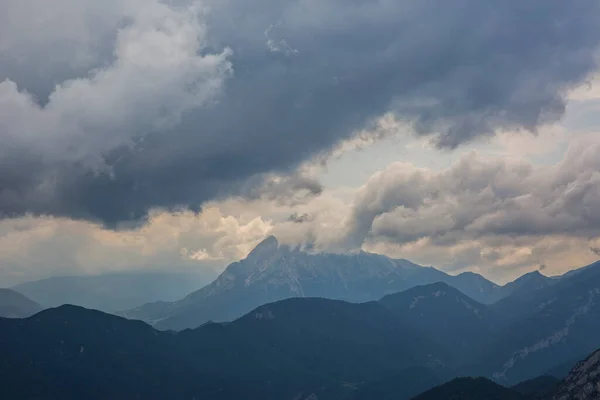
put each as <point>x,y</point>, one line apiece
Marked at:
<point>273,272</point>
<point>287,350</point>
<point>14,304</point>
<point>295,348</point>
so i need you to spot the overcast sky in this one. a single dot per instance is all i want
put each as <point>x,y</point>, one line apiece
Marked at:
<point>175,135</point>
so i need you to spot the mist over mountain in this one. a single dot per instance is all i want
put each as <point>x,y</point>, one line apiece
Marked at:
<point>114,292</point>
<point>299,199</point>
<point>274,272</point>
<point>306,348</point>
<point>16,305</point>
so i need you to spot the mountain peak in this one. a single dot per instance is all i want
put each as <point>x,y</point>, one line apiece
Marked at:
<point>16,305</point>
<point>434,290</point>
<point>268,245</point>
<point>533,274</point>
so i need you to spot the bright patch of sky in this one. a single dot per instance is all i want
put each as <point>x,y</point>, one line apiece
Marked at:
<point>547,147</point>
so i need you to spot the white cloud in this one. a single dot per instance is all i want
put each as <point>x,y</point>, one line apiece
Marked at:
<point>498,216</point>
<point>588,91</point>
<point>31,248</point>
<point>87,76</point>
<point>156,76</point>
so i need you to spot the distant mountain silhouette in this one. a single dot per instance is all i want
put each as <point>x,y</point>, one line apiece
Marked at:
<point>536,388</point>
<point>298,348</point>
<point>524,285</point>
<point>287,350</point>
<point>16,305</point>
<point>114,292</point>
<point>470,389</point>
<point>273,272</point>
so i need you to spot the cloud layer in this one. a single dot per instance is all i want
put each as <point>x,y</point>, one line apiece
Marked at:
<point>500,216</point>
<point>478,196</point>
<point>130,105</point>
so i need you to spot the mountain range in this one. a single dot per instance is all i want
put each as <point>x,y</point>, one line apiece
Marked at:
<point>388,329</point>
<point>273,272</point>
<point>546,325</point>
<point>294,349</point>
<point>582,383</point>
<point>539,323</point>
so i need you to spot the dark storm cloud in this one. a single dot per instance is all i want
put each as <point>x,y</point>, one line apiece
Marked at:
<point>299,218</point>
<point>307,74</point>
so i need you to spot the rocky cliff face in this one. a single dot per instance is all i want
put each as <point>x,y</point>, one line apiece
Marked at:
<point>583,383</point>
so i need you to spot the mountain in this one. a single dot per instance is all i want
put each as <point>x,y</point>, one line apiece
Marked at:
<point>583,382</point>
<point>273,272</point>
<point>444,313</point>
<point>537,387</point>
<point>15,305</point>
<point>470,389</point>
<point>296,349</point>
<point>329,336</point>
<point>114,292</point>
<point>293,349</point>
<point>525,284</point>
<point>547,327</point>
<point>71,353</point>
<point>475,286</point>
<point>404,384</point>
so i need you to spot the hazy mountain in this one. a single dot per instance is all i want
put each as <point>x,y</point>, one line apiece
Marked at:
<point>470,389</point>
<point>288,350</point>
<point>475,286</point>
<point>16,305</point>
<point>446,315</point>
<point>583,382</point>
<point>114,292</point>
<point>525,284</point>
<point>547,327</point>
<point>272,272</point>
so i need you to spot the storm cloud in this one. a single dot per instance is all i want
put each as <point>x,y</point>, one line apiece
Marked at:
<point>480,198</point>
<point>170,106</point>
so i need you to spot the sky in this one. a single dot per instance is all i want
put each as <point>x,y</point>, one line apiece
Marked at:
<point>176,135</point>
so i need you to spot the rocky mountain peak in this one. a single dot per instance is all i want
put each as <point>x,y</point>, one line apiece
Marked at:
<point>532,276</point>
<point>268,245</point>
